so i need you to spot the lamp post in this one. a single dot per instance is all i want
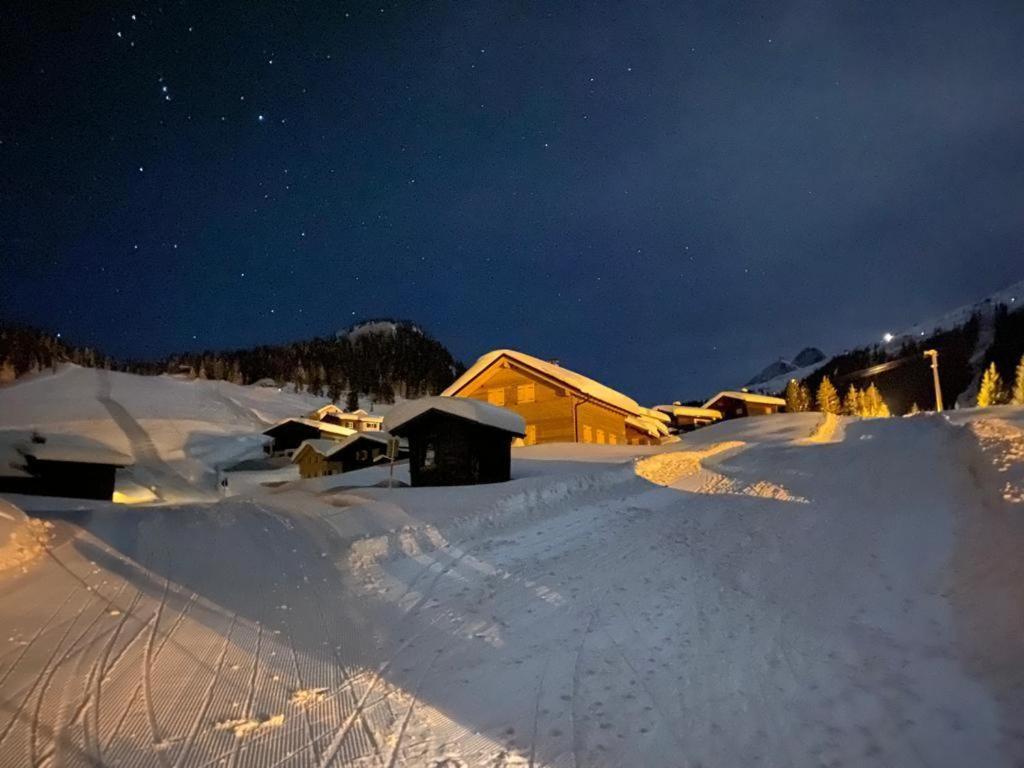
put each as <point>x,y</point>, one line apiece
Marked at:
<point>934,355</point>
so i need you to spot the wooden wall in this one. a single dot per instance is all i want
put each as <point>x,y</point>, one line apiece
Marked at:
<point>547,408</point>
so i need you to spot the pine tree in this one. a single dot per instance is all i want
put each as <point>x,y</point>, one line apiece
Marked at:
<point>914,409</point>
<point>794,400</point>
<point>991,391</point>
<point>851,403</point>
<point>1018,384</point>
<point>352,401</point>
<point>828,398</point>
<point>805,398</point>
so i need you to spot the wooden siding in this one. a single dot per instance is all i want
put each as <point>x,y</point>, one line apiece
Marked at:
<point>549,410</point>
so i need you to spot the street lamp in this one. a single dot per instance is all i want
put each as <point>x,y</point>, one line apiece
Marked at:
<point>934,355</point>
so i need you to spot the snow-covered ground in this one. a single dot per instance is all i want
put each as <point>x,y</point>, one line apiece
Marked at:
<point>774,591</point>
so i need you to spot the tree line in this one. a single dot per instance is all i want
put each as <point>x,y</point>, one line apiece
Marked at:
<point>401,360</point>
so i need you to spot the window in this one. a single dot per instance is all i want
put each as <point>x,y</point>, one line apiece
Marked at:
<point>496,396</point>
<point>588,437</point>
<point>600,436</point>
<point>429,457</point>
<point>531,434</point>
<point>612,439</point>
<point>526,393</point>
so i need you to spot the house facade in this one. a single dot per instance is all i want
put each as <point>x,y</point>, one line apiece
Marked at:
<point>557,405</point>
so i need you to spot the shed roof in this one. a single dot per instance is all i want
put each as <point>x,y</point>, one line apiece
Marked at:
<point>748,397</point>
<point>323,426</point>
<point>74,448</point>
<point>464,408</point>
<point>692,411</point>
<point>647,425</point>
<point>571,379</point>
<point>324,447</point>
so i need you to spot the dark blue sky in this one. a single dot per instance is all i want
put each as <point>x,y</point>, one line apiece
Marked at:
<point>663,195</point>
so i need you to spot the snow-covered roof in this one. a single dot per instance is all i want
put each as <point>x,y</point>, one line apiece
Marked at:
<point>332,410</point>
<point>323,410</point>
<point>749,397</point>
<point>371,434</point>
<point>74,448</point>
<point>647,425</point>
<point>463,407</point>
<point>323,426</point>
<point>654,413</point>
<point>571,379</point>
<point>324,447</point>
<point>690,411</point>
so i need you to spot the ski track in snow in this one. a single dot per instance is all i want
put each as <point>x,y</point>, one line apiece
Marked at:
<point>736,603</point>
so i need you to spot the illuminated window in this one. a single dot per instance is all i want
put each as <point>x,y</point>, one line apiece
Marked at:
<point>612,439</point>
<point>531,434</point>
<point>587,435</point>
<point>526,393</point>
<point>496,396</point>
<point>600,436</point>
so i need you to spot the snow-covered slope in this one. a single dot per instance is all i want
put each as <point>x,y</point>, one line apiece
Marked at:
<point>746,596</point>
<point>178,431</point>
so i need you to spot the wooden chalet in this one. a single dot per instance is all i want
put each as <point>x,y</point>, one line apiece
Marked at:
<point>686,418</point>
<point>735,405</point>
<point>289,434</point>
<point>456,441</point>
<point>358,420</point>
<point>61,465</point>
<point>317,458</point>
<point>557,405</point>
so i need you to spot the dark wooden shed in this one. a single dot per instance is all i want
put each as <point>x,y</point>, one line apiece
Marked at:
<point>456,441</point>
<point>735,405</point>
<point>66,466</point>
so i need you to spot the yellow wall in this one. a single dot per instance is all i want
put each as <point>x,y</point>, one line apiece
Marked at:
<point>549,414</point>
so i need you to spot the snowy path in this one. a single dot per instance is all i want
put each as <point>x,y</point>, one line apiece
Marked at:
<point>773,602</point>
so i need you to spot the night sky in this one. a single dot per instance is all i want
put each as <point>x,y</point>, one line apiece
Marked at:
<point>666,196</point>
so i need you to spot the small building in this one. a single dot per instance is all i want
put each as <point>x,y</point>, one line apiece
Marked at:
<point>63,465</point>
<point>735,405</point>
<point>456,441</point>
<point>686,418</point>
<point>557,405</point>
<point>289,434</point>
<point>357,420</point>
<point>318,458</point>
<point>313,458</point>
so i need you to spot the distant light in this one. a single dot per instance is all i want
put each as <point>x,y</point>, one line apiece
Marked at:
<point>888,337</point>
<point>261,118</point>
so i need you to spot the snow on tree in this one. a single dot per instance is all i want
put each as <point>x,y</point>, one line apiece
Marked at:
<point>794,402</point>
<point>874,406</point>
<point>991,391</point>
<point>827,397</point>
<point>914,409</point>
<point>851,402</point>
<point>352,401</point>
<point>1017,398</point>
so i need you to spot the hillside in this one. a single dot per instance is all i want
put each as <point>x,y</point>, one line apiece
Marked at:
<point>381,359</point>
<point>967,338</point>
